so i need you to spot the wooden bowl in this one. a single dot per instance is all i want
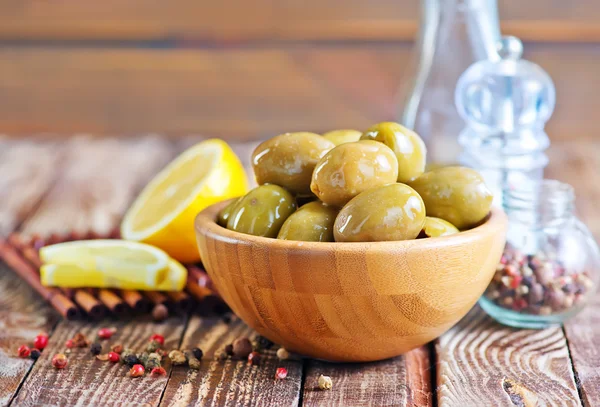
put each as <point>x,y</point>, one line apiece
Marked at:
<point>350,301</point>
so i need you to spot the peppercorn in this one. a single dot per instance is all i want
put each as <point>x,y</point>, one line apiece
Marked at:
<point>117,349</point>
<point>152,346</point>
<point>106,333</point>
<point>59,361</point>
<point>229,349</point>
<point>254,358</point>
<point>221,355</point>
<point>69,343</point>
<point>227,318</point>
<point>158,338</point>
<point>283,354</point>
<point>35,354</point>
<point>242,348</point>
<point>125,353</point>
<point>79,340</point>
<point>198,353</point>
<point>24,351</point>
<point>113,357</point>
<point>153,361</point>
<point>262,343</point>
<point>137,370</point>
<point>177,357</point>
<point>193,363</point>
<point>158,371</point>
<point>96,348</point>
<point>40,341</point>
<point>160,312</point>
<point>325,382</point>
<point>281,373</point>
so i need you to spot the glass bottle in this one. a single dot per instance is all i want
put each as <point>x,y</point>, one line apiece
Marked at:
<point>453,34</point>
<point>551,263</point>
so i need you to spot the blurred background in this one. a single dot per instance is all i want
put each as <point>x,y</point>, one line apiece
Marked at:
<point>245,70</point>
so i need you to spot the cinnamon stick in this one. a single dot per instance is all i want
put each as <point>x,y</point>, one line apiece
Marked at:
<point>157,297</point>
<point>112,301</point>
<point>27,272</point>
<point>182,300</point>
<point>197,291</point>
<point>135,300</point>
<point>94,308</point>
<point>200,276</point>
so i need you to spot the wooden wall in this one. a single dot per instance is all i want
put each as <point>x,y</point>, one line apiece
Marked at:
<point>247,69</point>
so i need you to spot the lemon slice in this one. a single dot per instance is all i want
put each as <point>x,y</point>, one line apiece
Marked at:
<point>163,214</point>
<point>107,263</point>
<point>176,278</point>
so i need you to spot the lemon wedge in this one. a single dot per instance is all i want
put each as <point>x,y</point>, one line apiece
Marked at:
<point>104,263</point>
<point>163,214</point>
<point>176,278</point>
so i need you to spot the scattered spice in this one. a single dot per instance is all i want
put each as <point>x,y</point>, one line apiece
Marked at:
<point>60,361</point>
<point>242,348</point>
<point>281,373</point>
<point>114,357</point>
<point>221,355</point>
<point>254,358</point>
<point>158,338</point>
<point>325,382</point>
<point>283,354</point>
<point>227,318</point>
<point>23,351</point>
<point>106,333</point>
<point>150,360</point>
<point>129,357</point>
<point>228,349</point>
<point>35,354</point>
<point>117,349</point>
<point>262,343</point>
<point>69,343</point>
<point>96,348</point>
<point>192,361</point>
<point>177,357</point>
<point>40,342</point>
<point>103,357</point>
<point>536,284</point>
<point>153,346</point>
<point>158,371</point>
<point>79,340</point>
<point>160,312</point>
<point>198,353</point>
<point>137,371</point>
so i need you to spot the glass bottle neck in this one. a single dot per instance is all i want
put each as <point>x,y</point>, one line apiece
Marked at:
<point>548,203</point>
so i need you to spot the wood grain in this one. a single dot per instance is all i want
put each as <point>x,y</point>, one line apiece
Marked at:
<point>480,362</point>
<point>88,381</point>
<point>245,93</point>
<point>350,302</point>
<point>401,381</point>
<point>230,382</point>
<point>264,20</point>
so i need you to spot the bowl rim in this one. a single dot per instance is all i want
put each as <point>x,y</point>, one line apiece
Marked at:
<point>206,224</point>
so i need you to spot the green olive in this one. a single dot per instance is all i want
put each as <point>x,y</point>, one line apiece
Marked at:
<point>338,137</point>
<point>352,168</point>
<point>458,195</point>
<point>313,222</point>
<point>435,227</point>
<point>288,160</point>
<point>262,211</point>
<point>389,212</point>
<point>226,211</point>
<point>406,144</point>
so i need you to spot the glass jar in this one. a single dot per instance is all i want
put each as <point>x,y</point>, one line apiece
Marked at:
<point>550,266</point>
<point>452,35</point>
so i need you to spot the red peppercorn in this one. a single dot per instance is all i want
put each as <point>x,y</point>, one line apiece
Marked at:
<point>516,281</point>
<point>158,338</point>
<point>69,343</point>
<point>106,333</point>
<point>158,371</point>
<point>281,373</point>
<point>59,361</point>
<point>24,351</point>
<point>40,341</point>
<point>114,357</point>
<point>254,358</point>
<point>136,371</point>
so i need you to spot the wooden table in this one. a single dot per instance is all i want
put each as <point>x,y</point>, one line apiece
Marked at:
<point>84,184</point>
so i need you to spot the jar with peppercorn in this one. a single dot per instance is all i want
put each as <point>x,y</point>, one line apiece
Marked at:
<point>551,262</point>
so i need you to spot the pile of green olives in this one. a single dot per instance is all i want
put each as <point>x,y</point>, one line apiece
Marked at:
<point>356,187</point>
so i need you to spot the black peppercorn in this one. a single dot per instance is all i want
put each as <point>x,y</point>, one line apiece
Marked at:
<point>96,348</point>
<point>131,360</point>
<point>254,358</point>
<point>227,318</point>
<point>229,349</point>
<point>261,343</point>
<point>198,353</point>
<point>34,354</point>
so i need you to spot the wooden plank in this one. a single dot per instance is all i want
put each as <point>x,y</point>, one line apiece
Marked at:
<point>88,381</point>
<point>261,20</point>
<point>231,382</point>
<point>480,363</point>
<point>245,94</point>
<point>23,314</point>
<point>27,168</point>
<point>582,333</point>
<point>401,381</point>
<point>99,180</point>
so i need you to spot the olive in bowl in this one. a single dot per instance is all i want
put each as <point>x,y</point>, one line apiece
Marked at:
<point>313,222</point>
<point>338,137</point>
